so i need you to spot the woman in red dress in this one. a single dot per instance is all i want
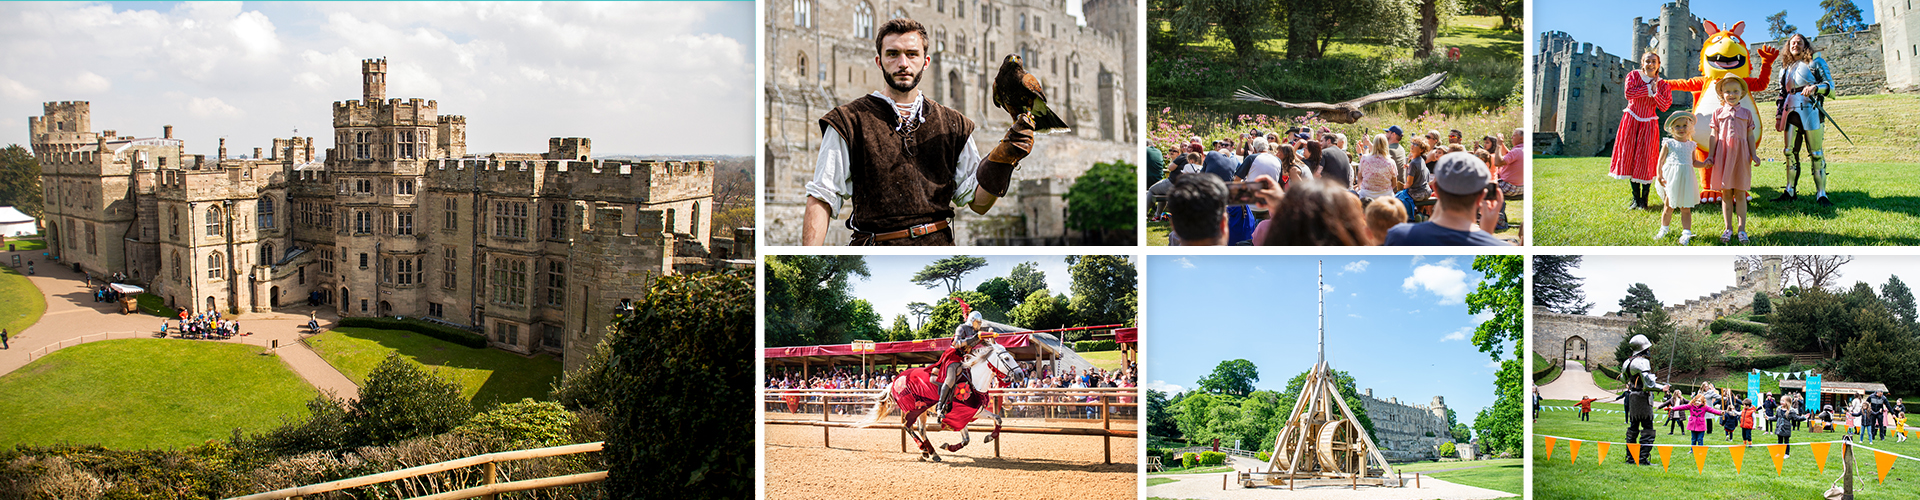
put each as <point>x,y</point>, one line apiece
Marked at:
<point>1637,143</point>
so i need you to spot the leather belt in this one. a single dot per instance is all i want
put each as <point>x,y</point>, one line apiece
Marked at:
<point>911,232</point>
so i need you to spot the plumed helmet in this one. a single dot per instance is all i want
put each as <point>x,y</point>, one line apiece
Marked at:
<point>1640,343</point>
<point>975,317</point>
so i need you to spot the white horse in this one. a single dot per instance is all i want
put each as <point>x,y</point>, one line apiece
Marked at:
<point>989,366</point>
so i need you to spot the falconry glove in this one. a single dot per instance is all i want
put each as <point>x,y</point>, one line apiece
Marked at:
<point>996,171</point>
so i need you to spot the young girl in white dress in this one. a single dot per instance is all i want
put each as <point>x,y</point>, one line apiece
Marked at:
<point>1678,184</point>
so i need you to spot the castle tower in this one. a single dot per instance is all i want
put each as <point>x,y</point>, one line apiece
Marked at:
<point>373,80</point>
<point>1770,270</point>
<point>1439,408</point>
<point>1899,32</point>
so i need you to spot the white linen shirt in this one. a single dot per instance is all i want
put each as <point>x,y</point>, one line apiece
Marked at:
<point>832,171</point>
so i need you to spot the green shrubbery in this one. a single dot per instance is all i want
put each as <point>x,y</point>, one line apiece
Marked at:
<point>1736,324</point>
<point>1447,449</point>
<point>680,382</point>
<point>1763,362</point>
<point>1263,456</point>
<point>1211,458</point>
<point>430,329</point>
<point>1190,460</point>
<point>1095,345</point>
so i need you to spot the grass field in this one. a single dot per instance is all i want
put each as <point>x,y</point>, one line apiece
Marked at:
<point>486,376</point>
<point>21,303</point>
<point>23,245</point>
<point>1203,72</point>
<point>1195,470</point>
<point>1156,481</point>
<point>1872,182</point>
<point>1556,478</point>
<point>147,393</point>
<point>1105,360</point>
<point>1502,474</point>
<point>153,305</point>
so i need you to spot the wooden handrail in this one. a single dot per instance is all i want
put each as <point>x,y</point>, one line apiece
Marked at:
<point>521,485</point>
<point>371,479</point>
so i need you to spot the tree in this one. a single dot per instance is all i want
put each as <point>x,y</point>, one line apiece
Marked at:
<point>1160,422</point>
<point>948,272</point>
<point>1687,350</point>
<point>1655,324</point>
<point>1899,300</point>
<point>1814,271</point>
<point>1639,300</point>
<point>946,314</point>
<point>1762,304</point>
<point>1001,291</point>
<point>1555,287</point>
<point>1100,285</point>
<point>682,377</point>
<point>1242,23</point>
<point>1041,312</point>
<point>807,298</point>
<point>1462,434</point>
<point>400,401</point>
<point>920,311</point>
<point>20,181</point>
<point>1233,378</point>
<point>1500,291</point>
<point>901,330</point>
<point>1102,204</point>
<point>1820,320</point>
<point>1027,278</point>
<point>1842,17</point>
<point>1447,450</point>
<point>1777,26</point>
<point>862,322</point>
<point>1342,383</point>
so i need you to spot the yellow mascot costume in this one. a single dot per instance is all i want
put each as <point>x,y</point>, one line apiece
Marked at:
<point>1724,53</point>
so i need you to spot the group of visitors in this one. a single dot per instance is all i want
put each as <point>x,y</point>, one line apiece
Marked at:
<point>200,326</point>
<point>1866,418</point>
<point>1039,375</point>
<point>1300,187</point>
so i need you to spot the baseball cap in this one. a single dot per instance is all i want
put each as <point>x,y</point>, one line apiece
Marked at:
<point>1460,174</point>
<point>1395,130</point>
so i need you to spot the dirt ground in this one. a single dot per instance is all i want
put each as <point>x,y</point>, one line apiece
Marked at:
<point>867,463</point>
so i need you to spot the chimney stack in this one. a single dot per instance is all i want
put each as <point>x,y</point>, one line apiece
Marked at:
<point>256,153</point>
<point>223,148</point>
<point>166,132</point>
<point>309,156</point>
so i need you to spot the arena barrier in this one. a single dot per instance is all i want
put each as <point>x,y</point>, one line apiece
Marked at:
<point>863,399</point>
<point>490,487</point>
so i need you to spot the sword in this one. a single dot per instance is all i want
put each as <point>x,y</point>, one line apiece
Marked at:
<point>1830,121</point>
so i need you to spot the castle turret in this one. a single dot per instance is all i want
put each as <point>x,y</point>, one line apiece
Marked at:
<point>373,80</point>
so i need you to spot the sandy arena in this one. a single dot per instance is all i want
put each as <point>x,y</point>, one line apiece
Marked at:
<point>867,463</point>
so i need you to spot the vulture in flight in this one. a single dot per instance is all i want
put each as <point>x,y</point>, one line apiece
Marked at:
<point>1349,112</point>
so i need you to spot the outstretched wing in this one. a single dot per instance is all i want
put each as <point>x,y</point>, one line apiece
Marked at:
<point>1424,85</point>
<point>1246,94</point>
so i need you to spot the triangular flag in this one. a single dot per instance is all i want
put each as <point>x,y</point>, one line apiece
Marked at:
<point>1549,447</point>
<point>1666,455</point>
<point>1739,453</point>
<point>1700,458</point>
<point>1777,450</point>
<point>1820,454</point>
<point>1884,462</point>
<point>1603,451</point>
<point>1573,450</point>
<point>1633,453</point>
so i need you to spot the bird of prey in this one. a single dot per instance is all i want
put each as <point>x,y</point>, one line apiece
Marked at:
<point>1349,112</point>
<point>1018,92</point>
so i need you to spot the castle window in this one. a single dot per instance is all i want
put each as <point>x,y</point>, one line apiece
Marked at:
<point>940,6</point>
<point>956,90</point>
<point>557,222</point>
<point>326,261</point>
<point>363,186</point>
<point>174,227</point>
<point>266,254</point>
<point>214,266</point>
<point>553,337</point>
<point>506,333</point>
<point>1576,93</point>
<point>265,211</point>
<point>900,14</point>
<point>449,268</point>
<point>409,271</point>
<point>510,281</point>
<point>1576,71</point>
<point>803,13</point>
<point>93,240</point>
<point>434,310</point>
<point>403,223</point>
<point>863,20</point>
<point>176,264</point>
<point>363,260</point>
<point>510,219</point>
<point>450,214</point>
<point>960,9</point>
<point>803,65</point>
<point>362,222</point>
<point>556,283</point>
<point>213,221</point>
<point>693,219</point>
<point>1023,21</point>
<point>404,187</point>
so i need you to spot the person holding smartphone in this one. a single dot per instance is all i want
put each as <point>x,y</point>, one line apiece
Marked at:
<point>1461,182</point>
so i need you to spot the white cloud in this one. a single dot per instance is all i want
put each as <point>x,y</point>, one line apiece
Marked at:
<point>1358,266</point>
<point>1442,279</point>
<point>1184,263</point>
<point>211,107</point>
<point>1460,334</point>
<point>89,83</point>
<point>1163,386</point>
<point>1262,270</point>
<point>1351,315</point>
<point>1492,364</point>
<point>1327,286</point>
<point>17,91</point>
<point>1482,317</point>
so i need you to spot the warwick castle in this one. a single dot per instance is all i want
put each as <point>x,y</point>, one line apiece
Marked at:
<point>535,250</point>
<point>1579,88</point>
<point>1577,336</point>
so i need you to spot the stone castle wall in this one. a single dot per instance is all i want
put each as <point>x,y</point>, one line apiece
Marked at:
<point>1579,92</point>
<point>1402,430</point>
<point>1599,335</point>
<point>1859,67</point>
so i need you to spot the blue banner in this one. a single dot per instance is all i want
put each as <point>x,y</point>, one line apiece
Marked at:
<point>1813,393</point>
<point>1753,388</point>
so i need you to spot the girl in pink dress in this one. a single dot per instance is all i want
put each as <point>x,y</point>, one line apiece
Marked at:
<point>1636,145</point>
<point>1734,155</point>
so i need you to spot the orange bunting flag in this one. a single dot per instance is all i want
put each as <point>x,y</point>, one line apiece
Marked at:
<point>1700,458</point>
<point>1549,447</point>
<point>1884,462</point>
<point>1777,450</point>
<point>1739,453</point>
<point>1666,455</point>
<point>1820,454</point>
<point>1633,453</point>
<point>1603,451</point>
<point>1573,450</point>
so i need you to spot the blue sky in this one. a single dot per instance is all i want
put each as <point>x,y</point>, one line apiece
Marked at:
<point>636,77</point>
<point>1398,324</point>
<point>891,288</point>
<point>1609,25</point>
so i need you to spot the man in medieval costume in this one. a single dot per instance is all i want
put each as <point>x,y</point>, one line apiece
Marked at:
<point>904,160</point>
<point>965,337</point>
<point>1805,82</point>
<point>1637,372</point>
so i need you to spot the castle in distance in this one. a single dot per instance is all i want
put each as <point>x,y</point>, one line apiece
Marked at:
<point>1579,89</point>
<point>536,251</point>
<point>1558,337</point>
<point>1408,432</point>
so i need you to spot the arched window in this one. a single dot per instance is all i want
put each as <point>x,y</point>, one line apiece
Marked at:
<point>693,219</point>
<point>863,20</point>
<point>177,264</point>
<point>213,221</point>
<point>803,65</point>
<point>215,266</point>
<point>956,90</point>
<point>266,212</point>
<point>266,254</point>
<point>176,221</point>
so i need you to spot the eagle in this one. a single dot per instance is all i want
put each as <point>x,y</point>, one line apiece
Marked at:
<point>1349,112</point>
<point>1018,92</point>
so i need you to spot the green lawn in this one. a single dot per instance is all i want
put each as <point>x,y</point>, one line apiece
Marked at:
<point>148,393</point>
<point>1606,382</point>
<point>1871,182</point>
<point>486,376</point>
<point>155,306</point>
<point>1195,470</point>
<point>26,245</point>
<point>1556,478</point>
<point>21,303</point>
<point>1502,474</point>
<point>1156,481</point>
<point>1105,360</point>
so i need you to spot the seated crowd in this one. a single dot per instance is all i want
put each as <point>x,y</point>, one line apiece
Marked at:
<point>1038,376</point>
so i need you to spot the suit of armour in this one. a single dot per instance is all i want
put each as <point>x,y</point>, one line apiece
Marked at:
<point>1803,123</point>
<point>1638,373</point>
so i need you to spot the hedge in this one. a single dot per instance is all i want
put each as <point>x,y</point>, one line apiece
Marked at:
<point>1213,458</point>
<point>1190,460</point>
<point>1738,325</point>
<point>1263,456</point>
<point>1758,318</point>
<point>1095,345</point>
<point>1609,371</point>
<point>435,330</point>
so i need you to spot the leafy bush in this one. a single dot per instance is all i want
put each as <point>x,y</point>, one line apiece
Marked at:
<point>1210,458</point>
<point>680,383</point>
<point>1190,460</point>
<point>430,329</point>
<point>1761,304</point>
<point>1263,456</point>
<point>1095,346</point>
<point>1103,198</point>
<point>401,401</point>
<point>1738,325</point>
<point>522,425</point>
<point>1447,449</point>
<point>325,429</point>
